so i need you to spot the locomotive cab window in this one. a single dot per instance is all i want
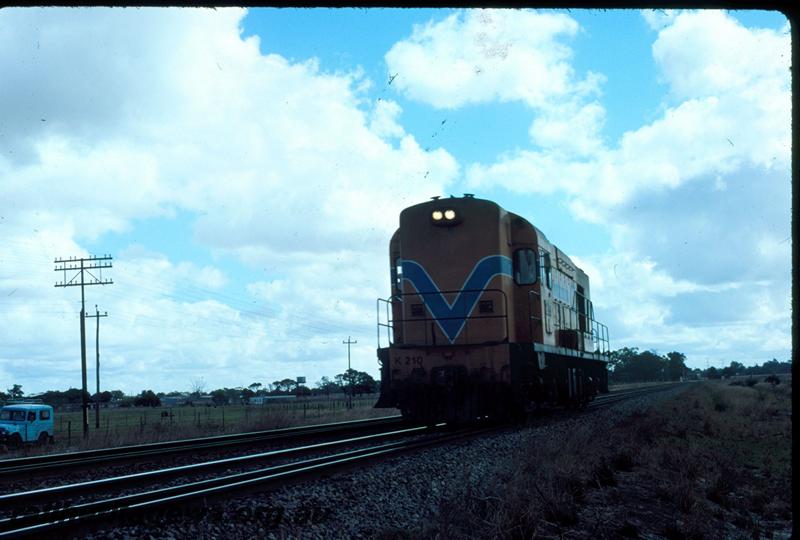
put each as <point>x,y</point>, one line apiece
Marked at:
<point>525,268</point>
<point>397,273</point>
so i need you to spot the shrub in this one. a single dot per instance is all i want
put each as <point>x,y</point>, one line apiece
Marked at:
<point>773,380</point>
<point>720,404</point>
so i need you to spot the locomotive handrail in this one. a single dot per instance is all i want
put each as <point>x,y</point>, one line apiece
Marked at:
<point>596,332</point>
<point>390,321</point>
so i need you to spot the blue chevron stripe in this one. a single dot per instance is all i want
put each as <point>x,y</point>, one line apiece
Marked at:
<point>451,318</point>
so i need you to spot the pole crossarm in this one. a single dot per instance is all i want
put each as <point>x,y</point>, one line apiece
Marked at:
<point>79,265</point>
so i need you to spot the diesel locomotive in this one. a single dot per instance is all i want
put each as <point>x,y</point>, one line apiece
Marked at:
<point>486,317</point>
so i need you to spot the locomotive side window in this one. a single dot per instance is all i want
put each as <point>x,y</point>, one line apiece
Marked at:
<point>525,268</point>
<point>544,263</point>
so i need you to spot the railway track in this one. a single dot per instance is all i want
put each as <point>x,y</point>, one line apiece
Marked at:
<point>38,519</point>
<point>36,465</point>
<point>613,397</point>
<point>50,520</point>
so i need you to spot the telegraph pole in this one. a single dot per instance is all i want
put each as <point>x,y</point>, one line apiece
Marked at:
<point>97,369</point>
<point>349,375</point>
<point>82,266</point>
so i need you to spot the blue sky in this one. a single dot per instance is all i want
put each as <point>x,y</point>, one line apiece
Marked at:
<point>246,168</point>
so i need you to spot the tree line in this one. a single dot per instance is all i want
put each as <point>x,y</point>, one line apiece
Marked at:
<point>351,381</point>
<point>630,365</point>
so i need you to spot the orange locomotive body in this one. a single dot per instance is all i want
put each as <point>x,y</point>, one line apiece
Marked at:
<point>487,318</point>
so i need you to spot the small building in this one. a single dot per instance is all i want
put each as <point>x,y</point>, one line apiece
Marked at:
<point>200,401</point>
<point>263,400</point>
<point>174,401</point>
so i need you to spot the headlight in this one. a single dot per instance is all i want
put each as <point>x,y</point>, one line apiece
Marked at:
<point>450,214</point>
<point>437,215</point>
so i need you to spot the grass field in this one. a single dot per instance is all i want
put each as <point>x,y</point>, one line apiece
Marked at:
<point>135,425</point>
<point>711,462</point>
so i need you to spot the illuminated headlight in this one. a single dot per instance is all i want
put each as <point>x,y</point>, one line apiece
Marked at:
<point>450,214</point>
<point>437,215</point>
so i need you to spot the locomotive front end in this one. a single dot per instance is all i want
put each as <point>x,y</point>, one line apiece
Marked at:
<point>448,319</point>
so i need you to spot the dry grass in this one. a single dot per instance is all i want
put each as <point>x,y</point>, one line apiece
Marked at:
<point>713,462</point>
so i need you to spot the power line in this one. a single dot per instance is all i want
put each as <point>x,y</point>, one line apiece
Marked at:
<point>81,266</point>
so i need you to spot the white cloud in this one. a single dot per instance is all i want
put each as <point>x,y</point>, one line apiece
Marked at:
<point>570,130</point>
<point>742,320</point>
<point>701,192</point>
<point>487,55</point>
<point>112,116</point>
<point>384,119</point>
<point>708,53</point>
<point>657,19</point>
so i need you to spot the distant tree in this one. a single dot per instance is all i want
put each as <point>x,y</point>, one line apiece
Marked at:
<point>676,365</point>
<point>198,388</point>
<point>326,386</point>
<point>712,373</point>
<point>302,390</point>
<point>246,394</point>
<point>102,397</point>
<point>15,392</point>
<point>255,387</point>
<point>360,382</point>
<point>630,365</point>
<point>285,386</point>
<point>621,357</point>
<point>218,397</point>
<point>117,394</point>
<point>147,398</point>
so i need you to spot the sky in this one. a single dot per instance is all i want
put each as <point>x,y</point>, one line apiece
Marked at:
<point>246,169</point>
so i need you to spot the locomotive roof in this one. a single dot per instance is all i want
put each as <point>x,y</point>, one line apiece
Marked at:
<point>471,200</point>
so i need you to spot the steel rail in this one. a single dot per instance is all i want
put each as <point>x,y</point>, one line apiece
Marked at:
<point>11,500</point>
<point>61,461</point>
<point>50,520</point>
<point>613,397</point>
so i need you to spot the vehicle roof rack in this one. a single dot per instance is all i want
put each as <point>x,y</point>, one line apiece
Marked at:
<point>25,401</point>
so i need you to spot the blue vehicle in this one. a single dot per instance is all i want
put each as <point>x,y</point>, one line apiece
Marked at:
<point>26,423</point>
